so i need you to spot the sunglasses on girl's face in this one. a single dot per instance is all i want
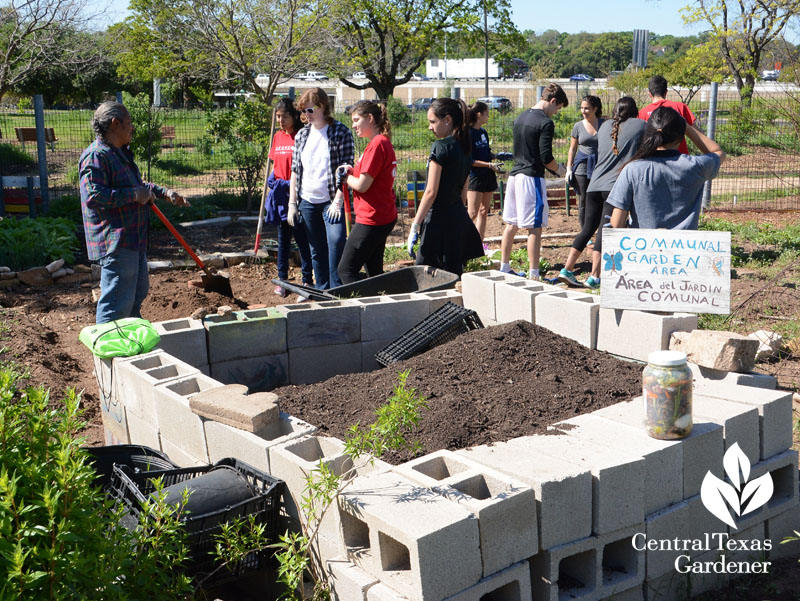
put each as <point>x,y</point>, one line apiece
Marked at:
<point>310,110</point>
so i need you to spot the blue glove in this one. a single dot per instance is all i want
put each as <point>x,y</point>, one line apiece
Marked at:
<point>504,156</point>
<point>413,236</point>
<point>342,171</point>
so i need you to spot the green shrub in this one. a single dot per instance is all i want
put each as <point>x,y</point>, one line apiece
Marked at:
<point>67,206</point>
<point>14,155</point>
<point>26,243</point>
<point>399,113</point>
<point>25,104</point>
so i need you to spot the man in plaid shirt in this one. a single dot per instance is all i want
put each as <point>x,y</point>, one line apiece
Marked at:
<point>116,213</point>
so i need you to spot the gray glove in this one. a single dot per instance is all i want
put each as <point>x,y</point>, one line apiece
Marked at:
<point>291,217</point>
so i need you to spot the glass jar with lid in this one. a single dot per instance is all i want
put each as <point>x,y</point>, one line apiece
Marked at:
<point>667,388</point>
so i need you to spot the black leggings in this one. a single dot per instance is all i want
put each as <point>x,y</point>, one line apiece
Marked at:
<point>593,217</point>
<point>364,246</point>
<point>580,183</point>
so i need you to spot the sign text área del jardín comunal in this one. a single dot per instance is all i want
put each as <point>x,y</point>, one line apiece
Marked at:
<point>666,270</point>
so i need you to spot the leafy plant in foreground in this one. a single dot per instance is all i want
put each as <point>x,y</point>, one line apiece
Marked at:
<point>26,243</point>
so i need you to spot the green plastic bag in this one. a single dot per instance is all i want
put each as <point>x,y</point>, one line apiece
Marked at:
<point>121,338</point>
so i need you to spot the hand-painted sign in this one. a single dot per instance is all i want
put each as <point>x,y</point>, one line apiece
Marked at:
<point>666,270</point>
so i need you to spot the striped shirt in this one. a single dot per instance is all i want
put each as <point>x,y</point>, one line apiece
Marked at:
<point>342,152</point>
<point>111,216</point>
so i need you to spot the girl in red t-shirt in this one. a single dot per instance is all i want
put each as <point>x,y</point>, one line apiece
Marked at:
<point>277,203</point>
<point>372,182</point>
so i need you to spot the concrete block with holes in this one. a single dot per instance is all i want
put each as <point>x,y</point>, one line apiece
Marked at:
<point>617,477</point>
<point>253,448</point>
<point>414,540</point>
<point>478,291</point>
<point>317,363</point>
<point>184,339</point>
<point>753,378</point>
<point>180,457</point>
<point>663,461</point>
<point>782,469</point>
<point>510,584</point>
<point>636,334</point>
<point>257,373</point>
<point>779,527</point>
<point>702,450</point>
<point>505,507</point>
<point>322,323</point>
<point>515,299</point>
<point>570,314</point>
<point>138,376</point>
<point>774,412</point>
<point>253,333</point>
<point>590,568</point>
<point>667,524</point>
<point>563,490</point>
<point>438,298</point>
<point>177,423</point>
<point>388,317</point>
<point>348,582</point>
<point>740,423</point>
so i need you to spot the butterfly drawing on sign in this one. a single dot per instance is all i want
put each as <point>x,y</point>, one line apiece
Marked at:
<point>716,264</point>
<point>613,261</point>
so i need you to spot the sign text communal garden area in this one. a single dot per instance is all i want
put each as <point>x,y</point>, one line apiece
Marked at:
<point>666,270</point>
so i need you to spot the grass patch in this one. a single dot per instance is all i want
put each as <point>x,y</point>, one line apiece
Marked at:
<point>14,155</point>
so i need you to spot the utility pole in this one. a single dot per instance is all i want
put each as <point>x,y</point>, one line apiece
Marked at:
<point>485,49</point>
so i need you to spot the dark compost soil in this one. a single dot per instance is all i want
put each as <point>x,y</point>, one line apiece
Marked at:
<point>485,386</point>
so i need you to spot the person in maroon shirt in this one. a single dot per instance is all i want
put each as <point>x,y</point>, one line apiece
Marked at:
<point>372,182</point>
<point>657,87</point>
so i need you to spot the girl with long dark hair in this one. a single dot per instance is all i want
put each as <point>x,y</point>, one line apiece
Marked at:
<point>617,141</point>
<point>660,186</point>
<point>449,238</point>
<point>582,155</point>
<point>482,178</point>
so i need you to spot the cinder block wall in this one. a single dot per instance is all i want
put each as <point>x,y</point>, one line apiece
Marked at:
<point>539,517</point>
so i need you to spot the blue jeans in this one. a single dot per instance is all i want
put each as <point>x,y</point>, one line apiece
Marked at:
<point>124,283</point>
<point>285,233</point>
<point>326,240</point>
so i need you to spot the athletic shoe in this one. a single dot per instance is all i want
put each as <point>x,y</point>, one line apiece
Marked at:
<point>592,282</point>
<point>301,299</point>
<point>282,292</point>
<point>568,277</point>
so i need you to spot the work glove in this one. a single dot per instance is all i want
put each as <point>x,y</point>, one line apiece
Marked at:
<point>568,176</point>
<point>334,211</point>
<point>504,156</point>
<point>562,171</point>
<point>342,171</point>
<point>291,217</point>
<point>413,236</point>
<point>498,168</point>
<point>177,199</point>
<point>143,195</point>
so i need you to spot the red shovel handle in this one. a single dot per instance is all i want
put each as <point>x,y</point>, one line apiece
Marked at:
<point>178,237</point>
<point>347,217</point>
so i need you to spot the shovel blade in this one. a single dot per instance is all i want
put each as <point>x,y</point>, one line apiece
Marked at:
<point>217,283</point>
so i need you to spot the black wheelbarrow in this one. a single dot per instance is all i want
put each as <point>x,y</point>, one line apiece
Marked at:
<point>419,278</point>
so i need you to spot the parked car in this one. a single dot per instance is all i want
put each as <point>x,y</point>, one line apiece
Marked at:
<point>498,103</point>
<point>771,75</point>
<point>419,77</point>
<point>313,76</point>
<point>421,104</point>
<point>581,77</point>
<point>358,75</point>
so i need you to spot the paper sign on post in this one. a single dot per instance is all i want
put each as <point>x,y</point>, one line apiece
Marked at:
<point>666,270</point>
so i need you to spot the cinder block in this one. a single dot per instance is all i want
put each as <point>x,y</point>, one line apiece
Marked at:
<point>184,339</point>
<point>570,314</point>
<point>754,378</point>
<point>317,363</point>
<point>674,585</point>
<point>439,298</point>
<point>632,594</point>
<point>321,324</point>
<point>381,592</point>
<point>702,449</point>
<point>227,441</point>
<point>740,422</point>
<point>478,291</point>
<point>617,477</point>
<point>112,409</point>
<point>783,470</point>
<point>137,376</point>
<point>515,299</point>
<point>388,317</point>
<point>667,524</point>
<point>368,350</point>
<point>326,549</point>
<point>781,526</point>
<point>510,584</point>
<point>635,334</point>
<point>663,462</point>
<point>253,333</point>
<point>756,532</point>
<point>701,522</point>
<point>563,490</point>
<point>418,543</point>
<point>349,582</point>
<point>774,410</point>
<point>257,373</point>
<point>143,431</point>
<point>591,568</point>
<point>505,507</point>
<point>180,456</point>
<point>177,423</point>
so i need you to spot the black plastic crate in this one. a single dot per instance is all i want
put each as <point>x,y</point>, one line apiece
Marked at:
<point>132,489</point>
<point>139,458</point>
<point>441,326</point>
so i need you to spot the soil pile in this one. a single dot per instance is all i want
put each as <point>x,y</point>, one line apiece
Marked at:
<point>485,386</point>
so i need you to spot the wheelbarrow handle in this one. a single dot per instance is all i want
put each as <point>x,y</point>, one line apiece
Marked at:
<point>178,237</point>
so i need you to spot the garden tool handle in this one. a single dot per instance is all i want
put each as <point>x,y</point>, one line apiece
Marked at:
<point>179,238</point>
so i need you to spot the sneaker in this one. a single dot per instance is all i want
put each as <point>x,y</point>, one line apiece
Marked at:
<point>301,299</point>
<point>282,292</point>
<point>568,277</point>
<point>592,282</point>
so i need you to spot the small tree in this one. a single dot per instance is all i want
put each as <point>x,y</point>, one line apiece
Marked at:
<point>147,121</point>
